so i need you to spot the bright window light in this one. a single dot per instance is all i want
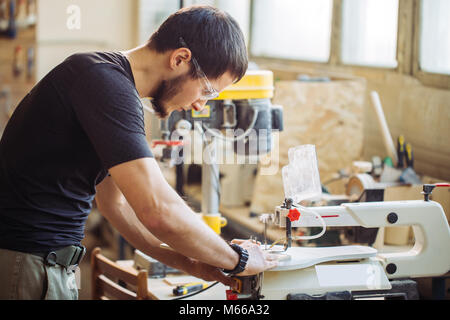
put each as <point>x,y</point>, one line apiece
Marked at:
<point>292,29</point>
<point>369,32</point>
<point>435,36</point>
<point>152,13</point>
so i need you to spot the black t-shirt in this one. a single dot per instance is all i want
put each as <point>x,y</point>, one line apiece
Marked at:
<point>81,119</point>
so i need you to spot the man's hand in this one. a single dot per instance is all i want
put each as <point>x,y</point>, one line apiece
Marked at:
<point>209,273</point>
<point>258,260</point>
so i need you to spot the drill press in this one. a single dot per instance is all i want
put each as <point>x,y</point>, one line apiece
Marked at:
<point>243,109</point>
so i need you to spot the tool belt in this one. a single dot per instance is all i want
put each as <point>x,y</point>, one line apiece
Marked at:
<point>68,257</point>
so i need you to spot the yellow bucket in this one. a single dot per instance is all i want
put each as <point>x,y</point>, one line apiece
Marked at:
<point>215,222</point>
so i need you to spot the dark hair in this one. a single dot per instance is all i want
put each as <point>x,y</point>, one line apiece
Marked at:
<point>212,35</point>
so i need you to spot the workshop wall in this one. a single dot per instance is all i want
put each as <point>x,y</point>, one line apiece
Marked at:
<point>419,112</point>
<point>17,55</point>
<point>326,114</point>
<point>63,27</point>
<point>67,27</point>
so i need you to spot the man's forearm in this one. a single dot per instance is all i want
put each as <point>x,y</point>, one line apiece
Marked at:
<point>185,232</point>
<point>128,225</point>
<point>162,211</point>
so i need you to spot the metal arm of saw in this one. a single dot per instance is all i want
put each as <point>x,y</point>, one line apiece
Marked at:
<point>430,254</point>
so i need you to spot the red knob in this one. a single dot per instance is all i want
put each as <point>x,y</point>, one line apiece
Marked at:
<point>293,215</point>
<point>231,295</point>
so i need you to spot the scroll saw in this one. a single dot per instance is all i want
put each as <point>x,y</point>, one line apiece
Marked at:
<point>353,272</point>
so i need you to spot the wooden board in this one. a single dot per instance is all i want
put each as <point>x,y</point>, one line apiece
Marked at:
<point>418,111</point>
<point>161,289</point>
<point>328,115</point>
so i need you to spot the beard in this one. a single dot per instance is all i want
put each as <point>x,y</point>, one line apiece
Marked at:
<point>166,91</point>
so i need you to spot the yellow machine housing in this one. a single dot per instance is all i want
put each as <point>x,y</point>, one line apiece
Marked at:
<point>255,84</point>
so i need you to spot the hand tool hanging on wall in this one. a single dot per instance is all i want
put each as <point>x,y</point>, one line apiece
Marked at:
<point>3,16</point>
<point>21,14</point>
<point>31,12</point>
<point>30,63</point>
<point>11,31</point>
<point>5,107</point>
<point>400,151</point>
<point>404,153</point>
<point>18,61</point>
<point>409,156</point>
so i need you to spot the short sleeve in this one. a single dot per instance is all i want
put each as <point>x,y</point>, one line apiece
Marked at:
<point>110,112</point>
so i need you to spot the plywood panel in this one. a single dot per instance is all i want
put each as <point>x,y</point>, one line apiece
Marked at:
<point>419,112</point>
<point>328,115</point>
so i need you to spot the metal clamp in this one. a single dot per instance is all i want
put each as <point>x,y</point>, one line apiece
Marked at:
<point>50,259</point>
<point>74,265</point>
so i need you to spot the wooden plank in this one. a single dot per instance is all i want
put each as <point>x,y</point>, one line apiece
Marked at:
<point>116,271</point>
<point>405,36</point>
<point>111,289</point>
<point>328,115</point>
<point>161,288</point>
<point>336,33</point>
<point>419,112</point>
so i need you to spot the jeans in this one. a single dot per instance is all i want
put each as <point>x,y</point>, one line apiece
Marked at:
<point>24,276</point>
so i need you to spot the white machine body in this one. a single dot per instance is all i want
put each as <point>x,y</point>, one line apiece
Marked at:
<point>364,275</point>
<point>430,255</point>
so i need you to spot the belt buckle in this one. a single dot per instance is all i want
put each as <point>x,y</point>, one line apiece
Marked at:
<point>73,266</point>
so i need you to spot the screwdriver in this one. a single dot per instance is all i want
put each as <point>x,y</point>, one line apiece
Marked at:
<point>189,287</point>
<point>409,156</point>
<point>400,150</point>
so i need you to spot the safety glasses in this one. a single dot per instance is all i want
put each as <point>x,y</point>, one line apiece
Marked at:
<point>208,92</point>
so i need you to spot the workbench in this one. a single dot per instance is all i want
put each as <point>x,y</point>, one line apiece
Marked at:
<point>161,288</point>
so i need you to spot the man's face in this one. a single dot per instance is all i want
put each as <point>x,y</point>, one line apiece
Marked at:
<point>184,93</point>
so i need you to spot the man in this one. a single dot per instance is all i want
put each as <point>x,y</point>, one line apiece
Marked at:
<point>79,134</point>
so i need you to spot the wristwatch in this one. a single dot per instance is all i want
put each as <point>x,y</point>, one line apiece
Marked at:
<point>243,258</point>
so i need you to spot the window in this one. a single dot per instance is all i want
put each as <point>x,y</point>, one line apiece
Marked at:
<point>292,29</point>
<point>152,13</point>
<point>434,51</point>
<point>369,32</point>
<point>238,9</point>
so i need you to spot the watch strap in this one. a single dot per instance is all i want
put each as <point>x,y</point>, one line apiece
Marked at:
<point>243,258</point>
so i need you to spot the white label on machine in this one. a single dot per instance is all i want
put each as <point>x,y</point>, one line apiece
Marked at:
<point>359,276</point>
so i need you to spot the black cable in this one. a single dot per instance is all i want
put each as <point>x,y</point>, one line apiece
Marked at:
<point>196,292</point>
